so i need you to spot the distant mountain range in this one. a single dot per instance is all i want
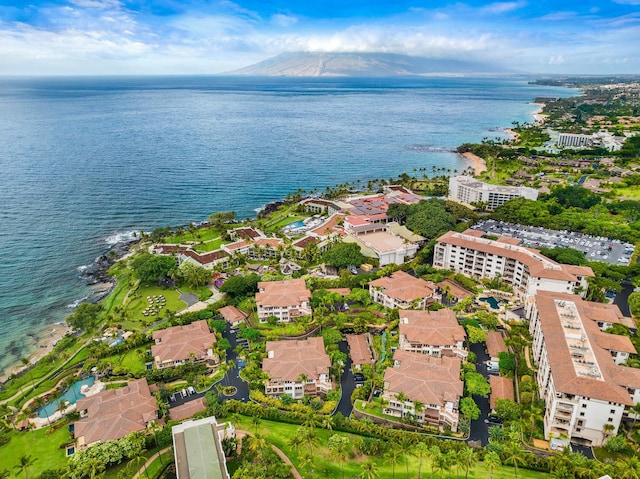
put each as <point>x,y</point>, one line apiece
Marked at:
<point>363,65</point>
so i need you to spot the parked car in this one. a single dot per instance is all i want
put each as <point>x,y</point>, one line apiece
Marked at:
<point>358,377</point>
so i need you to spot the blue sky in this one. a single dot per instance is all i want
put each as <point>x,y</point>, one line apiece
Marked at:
<point>198,36</point>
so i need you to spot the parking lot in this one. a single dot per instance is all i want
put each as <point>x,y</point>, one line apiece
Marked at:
<point>595,248</point>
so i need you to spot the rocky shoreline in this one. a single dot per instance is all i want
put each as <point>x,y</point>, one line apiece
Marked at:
<point>96,275</point>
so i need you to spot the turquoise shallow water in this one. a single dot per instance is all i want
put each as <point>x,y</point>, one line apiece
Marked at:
<point>86,161</point>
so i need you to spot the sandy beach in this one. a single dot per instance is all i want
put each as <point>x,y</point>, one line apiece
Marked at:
<point>478,163</point>
<point>514,135</point>
<point>538,115</point>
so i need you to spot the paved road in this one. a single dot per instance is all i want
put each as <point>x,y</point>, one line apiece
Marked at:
<point>480,429</point>
<point>622,298</point>
<point>232,379</point>
<point>347,383</point>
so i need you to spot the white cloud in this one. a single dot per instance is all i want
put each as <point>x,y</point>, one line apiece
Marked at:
<point>100,4</point>
<point>498,8</point>
<point>627,2</point>
<point>556,60</point>
<point>285,21</point>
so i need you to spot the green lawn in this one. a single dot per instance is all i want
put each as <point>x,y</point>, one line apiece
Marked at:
<point>133,360</point>
<point>209,245</point>
<point>630,192</point>
<point>37,444</point>
<point>203,234</point>
<point>327,467</point>
<point>138,302</point>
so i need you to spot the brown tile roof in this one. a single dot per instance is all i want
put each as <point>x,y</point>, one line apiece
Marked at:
<point>434,328</point>
<point>288,359</point>
<point>501,388</point>
<point>565,378</point>
<point>615,342</point>
<point>495,344</point>
<point>609,313</point>
<point>114,413</point>
<point>539,265</point>
<point>238,245</point>
<point>329,227</point>
<point>232,314</point>
<point>178,342</point>
<point>454,288</point>
<point>247,233</point>
<point>627,377</point>
<point>187,409</point>
<point>509,240</point>
<point>403,286</point>
<point>359,349</point>
<point>206,258</point>
<point>282,293</point>
<point>425,378</point>
<point>306,241</point>
<point>271,242</point>
<point>340,291</point>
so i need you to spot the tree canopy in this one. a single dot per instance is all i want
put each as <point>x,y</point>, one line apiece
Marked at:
<point>150,268</point>
<point>193,275</point>
<point>241,286</point>
<point>85,316</point>
<point>343,255</point>
<point>430,218</point>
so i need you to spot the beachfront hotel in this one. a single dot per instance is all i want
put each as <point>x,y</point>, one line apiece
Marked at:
<point>297,368</point>
<point>286,300</point>
<point>436,333</point>
<point>586,391</point>
<point>432,382</point>
<point>525,269</point>
<point>468,190</point>
<point>402,291</point>
<point>179,344</point>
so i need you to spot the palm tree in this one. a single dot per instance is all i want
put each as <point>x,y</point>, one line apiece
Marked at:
<point>442,462</point>
<point>62,406</point>
<point>514,455</point>
<point>420,451</point>
<point>405,445</point>
<point>393,456</point>
<point>468,459</point>
<point>434,454</point>
<point>4,474</point>
<point>369,470</point>
<point>255,423</point>
<point>492,462</point>
<point>635,410</point>
<point>24,463</point>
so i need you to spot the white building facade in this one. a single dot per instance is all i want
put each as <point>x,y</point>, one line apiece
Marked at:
<point>468,190</point>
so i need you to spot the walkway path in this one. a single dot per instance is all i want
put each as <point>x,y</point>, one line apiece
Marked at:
<point>294,472</point>
<point>149,461</point>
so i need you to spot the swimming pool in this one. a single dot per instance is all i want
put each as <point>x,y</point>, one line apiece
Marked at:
<point>491,301</point>
<point>71,396</point>
<point>297,224</point>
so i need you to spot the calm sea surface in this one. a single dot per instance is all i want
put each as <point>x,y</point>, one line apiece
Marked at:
<point>86,161</point>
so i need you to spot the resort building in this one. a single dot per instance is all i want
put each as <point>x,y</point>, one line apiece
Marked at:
<point>495,346</point>
<point>468,190</point>
<point>427,388</point>
<point>320,206</point>
<point>572,140</point>
<point>177,345</point>
<point>388,243</point>
<point>585,391</point>
<point>198,449</point>
<point>501,388</point>
<point>233,315</point>
<point>402,291</point>
<point>184,253</point>
<point>114,413</point>
<point>359,350</point>
<point>436,333</point>
<point>525,269</point>
<point>297,368</point>
<point>286,300</point>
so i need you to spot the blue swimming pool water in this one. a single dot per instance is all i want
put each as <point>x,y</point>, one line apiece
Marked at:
<point>493,302</point>
<point>297,224</point>
<point>72,395</point>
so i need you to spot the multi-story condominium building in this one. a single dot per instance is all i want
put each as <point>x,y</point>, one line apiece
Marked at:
<point>297,368</point>
<point>177,345</point>
<point>286,300</point>
<point>436,333</point>
<point>573,140</point>
<point>112,414</point>
<point>525,269</point>
<point>585,391</point>
<point>468,190</point>
<point>426,387</point>
<point>402,291</point>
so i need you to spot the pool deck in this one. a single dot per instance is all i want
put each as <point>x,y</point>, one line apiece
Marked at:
<point>39,422</point>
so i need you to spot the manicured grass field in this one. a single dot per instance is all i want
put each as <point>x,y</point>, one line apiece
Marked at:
<point>202,234</point>
<point>631,192</point>
<point>133,360</point>
<point>44,447</point>
<point>328,467</point>
<point>209,245</point>
<point>139,302</point>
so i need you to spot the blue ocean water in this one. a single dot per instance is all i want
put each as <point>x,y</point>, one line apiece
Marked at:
<point>86,161</point>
